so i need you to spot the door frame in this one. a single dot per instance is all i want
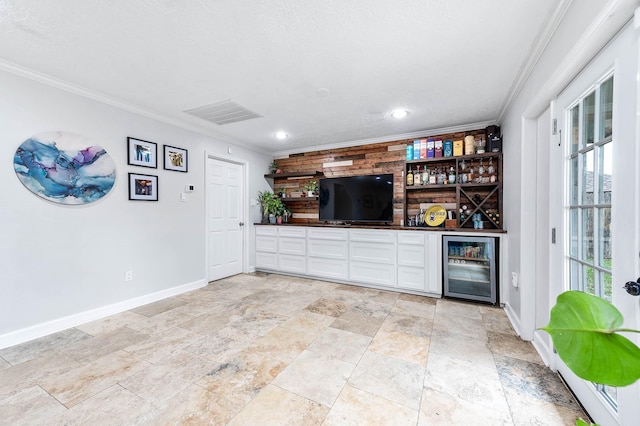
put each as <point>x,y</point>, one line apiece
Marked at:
<point>245,208</point>
<point>625,124</point>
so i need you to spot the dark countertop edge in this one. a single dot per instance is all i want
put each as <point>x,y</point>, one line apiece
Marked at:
<point>389,227</point>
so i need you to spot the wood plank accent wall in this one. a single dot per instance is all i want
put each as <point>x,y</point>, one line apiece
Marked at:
<point>385,157</point>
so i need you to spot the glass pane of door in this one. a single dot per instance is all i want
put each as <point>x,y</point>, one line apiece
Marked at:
<point>588,219</point>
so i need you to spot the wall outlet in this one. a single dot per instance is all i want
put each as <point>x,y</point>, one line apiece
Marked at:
<point>514,279</point>
<point>128,276</point>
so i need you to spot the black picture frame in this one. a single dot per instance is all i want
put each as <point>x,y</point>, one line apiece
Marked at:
<point>143,187</point>
<point>142,153</point>
<point>176,159</point>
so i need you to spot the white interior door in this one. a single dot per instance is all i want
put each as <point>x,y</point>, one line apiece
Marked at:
<point>594,193</point>
<point>225,218</point>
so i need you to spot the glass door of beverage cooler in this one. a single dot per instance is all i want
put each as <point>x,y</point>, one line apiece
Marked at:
<point>469,268</point>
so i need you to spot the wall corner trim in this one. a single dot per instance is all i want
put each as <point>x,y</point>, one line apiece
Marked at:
<point>513,318</point>
<point>40,330</point>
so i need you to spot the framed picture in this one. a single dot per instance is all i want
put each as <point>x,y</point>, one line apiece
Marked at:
<point>175,158</point>
<point>143,187</point>
<point>142,153</point>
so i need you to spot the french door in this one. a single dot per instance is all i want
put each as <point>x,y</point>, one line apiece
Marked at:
<point>225,218</point>
<point>595,203</point>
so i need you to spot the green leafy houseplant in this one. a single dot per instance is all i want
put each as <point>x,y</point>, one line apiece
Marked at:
<point>265,198</point>
<point>311,186</point>
<point>584,329</point>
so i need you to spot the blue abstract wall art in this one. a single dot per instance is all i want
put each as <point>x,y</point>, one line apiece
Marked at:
<point>78,174</point>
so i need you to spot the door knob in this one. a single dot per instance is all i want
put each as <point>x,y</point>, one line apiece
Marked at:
<point>633,288</point>
<point>241,223</point>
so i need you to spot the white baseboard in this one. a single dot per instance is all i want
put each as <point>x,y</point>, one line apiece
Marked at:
<point>542,347</point>
<point>515,321</point>
<point>54,326</point>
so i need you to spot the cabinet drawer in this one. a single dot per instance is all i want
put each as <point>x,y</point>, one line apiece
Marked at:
<point>267,260</point>
<point>266,243</point>
<point>411,255</point>
<point>267,230</point>
<point>291,231</point>
<point>291,263</point>
<point>372,273</point>
<point>327,268</point>
<point>328,249</point>
<point>411,278</point>
<point>373,236</point>
<point>372,252</point>
<point>288,245</point>
<point>328,234</point>
<point>413,237</point>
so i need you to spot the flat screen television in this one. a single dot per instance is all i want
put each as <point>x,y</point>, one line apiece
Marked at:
<point>356,199</point>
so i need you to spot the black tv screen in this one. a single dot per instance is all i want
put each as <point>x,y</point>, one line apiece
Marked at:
<point>356,199</point>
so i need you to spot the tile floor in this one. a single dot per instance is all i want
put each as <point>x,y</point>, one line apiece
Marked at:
<point>274,350</point>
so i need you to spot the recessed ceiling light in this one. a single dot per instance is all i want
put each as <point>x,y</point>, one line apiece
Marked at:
<point>399,113</point>
<point>281,135</point>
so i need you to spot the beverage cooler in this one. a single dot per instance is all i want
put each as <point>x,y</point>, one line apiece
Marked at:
<point>470,268</point>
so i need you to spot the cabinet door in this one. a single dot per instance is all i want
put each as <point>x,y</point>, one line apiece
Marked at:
<point>292,263</point>
<point>328,248</point>
<point>266,243</point>
<point>372,252</point>
<point>266,260</point>
<point>372,273</point>
<point>411,255</point>
<point>287,245</point>
<point>328,268</point>
<point>411,278</point>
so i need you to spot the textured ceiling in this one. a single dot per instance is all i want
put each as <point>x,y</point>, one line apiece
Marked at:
<point>450,62</point>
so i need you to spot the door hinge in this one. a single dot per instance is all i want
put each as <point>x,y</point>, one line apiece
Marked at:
<point>553,235</point>
<point>554,126</point>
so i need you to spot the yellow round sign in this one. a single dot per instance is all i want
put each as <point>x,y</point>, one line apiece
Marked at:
<point>435,215</point>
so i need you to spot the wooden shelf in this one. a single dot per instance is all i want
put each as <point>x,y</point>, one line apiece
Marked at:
<point>294,199</point>
<point>458,157</point>
<point>295,175</point>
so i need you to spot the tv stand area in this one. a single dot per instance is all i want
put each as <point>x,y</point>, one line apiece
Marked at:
<point>390,258</point>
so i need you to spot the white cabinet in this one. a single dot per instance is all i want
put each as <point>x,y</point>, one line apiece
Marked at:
<point>281,248</point>
<point>409,260</point>
<point>327,253</point>
<point>372,257</point>
<point>412,258</point>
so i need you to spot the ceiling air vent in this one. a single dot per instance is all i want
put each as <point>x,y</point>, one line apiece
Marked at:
<point>223,112</point>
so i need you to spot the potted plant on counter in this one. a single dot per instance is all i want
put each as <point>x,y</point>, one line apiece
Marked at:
<point>311,187</point>
<point>265,198</point>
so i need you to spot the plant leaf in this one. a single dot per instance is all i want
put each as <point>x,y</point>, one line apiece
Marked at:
<point>582,327</point>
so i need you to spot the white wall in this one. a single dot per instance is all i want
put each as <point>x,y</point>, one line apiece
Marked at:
<point>58,261</point>
<point>584,30</point>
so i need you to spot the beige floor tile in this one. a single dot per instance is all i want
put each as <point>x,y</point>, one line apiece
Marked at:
<point>159,382</point>
<point>514,347</point>
<point>329,307</point>
<point>418,309</point>
<point>258,323</point>
<point>159,307</point>
<point>463,309</point>
<point>278,407</point>
<point>225,342</point>
<point>475,384</point>
<point>495,320</point>
<point>453,323</point>
<point>315,377</point>
<point>358,323</point>
<point>282,344</point>
<point>193,406</point>
<point>417,299</point>
<point>103,344</point>
<point>34,372</point>
<point>29,406</point>
<point>475,352</point>
<point>208,324</point>
<point>4,364</point>
<point>308,322</point>
<point>391,378</point>
<point>355,407</point>
<point>439,408</point>
<point>341,345</point>
<point>110,323</point>
<point>528,411</point>
<point>372,308</point>
<point>83,382</point>
<point>113,406</point>
<point>162,322</point>
<point>240,378</point>
<point>401,345</point>
<point>44,346</point>
<point>161,345</point>
<point>409,324</point>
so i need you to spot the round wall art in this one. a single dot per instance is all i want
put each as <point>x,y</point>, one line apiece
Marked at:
<point>64,168</point>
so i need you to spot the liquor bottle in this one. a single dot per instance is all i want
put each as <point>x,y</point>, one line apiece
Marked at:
<point>425,175</point>
<point>416,177</point>
<point>409,177</point>
<point>452,175</point>
<point>432,177</point>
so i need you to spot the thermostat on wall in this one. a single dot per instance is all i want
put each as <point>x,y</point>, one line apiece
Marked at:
<point>190,188</point>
